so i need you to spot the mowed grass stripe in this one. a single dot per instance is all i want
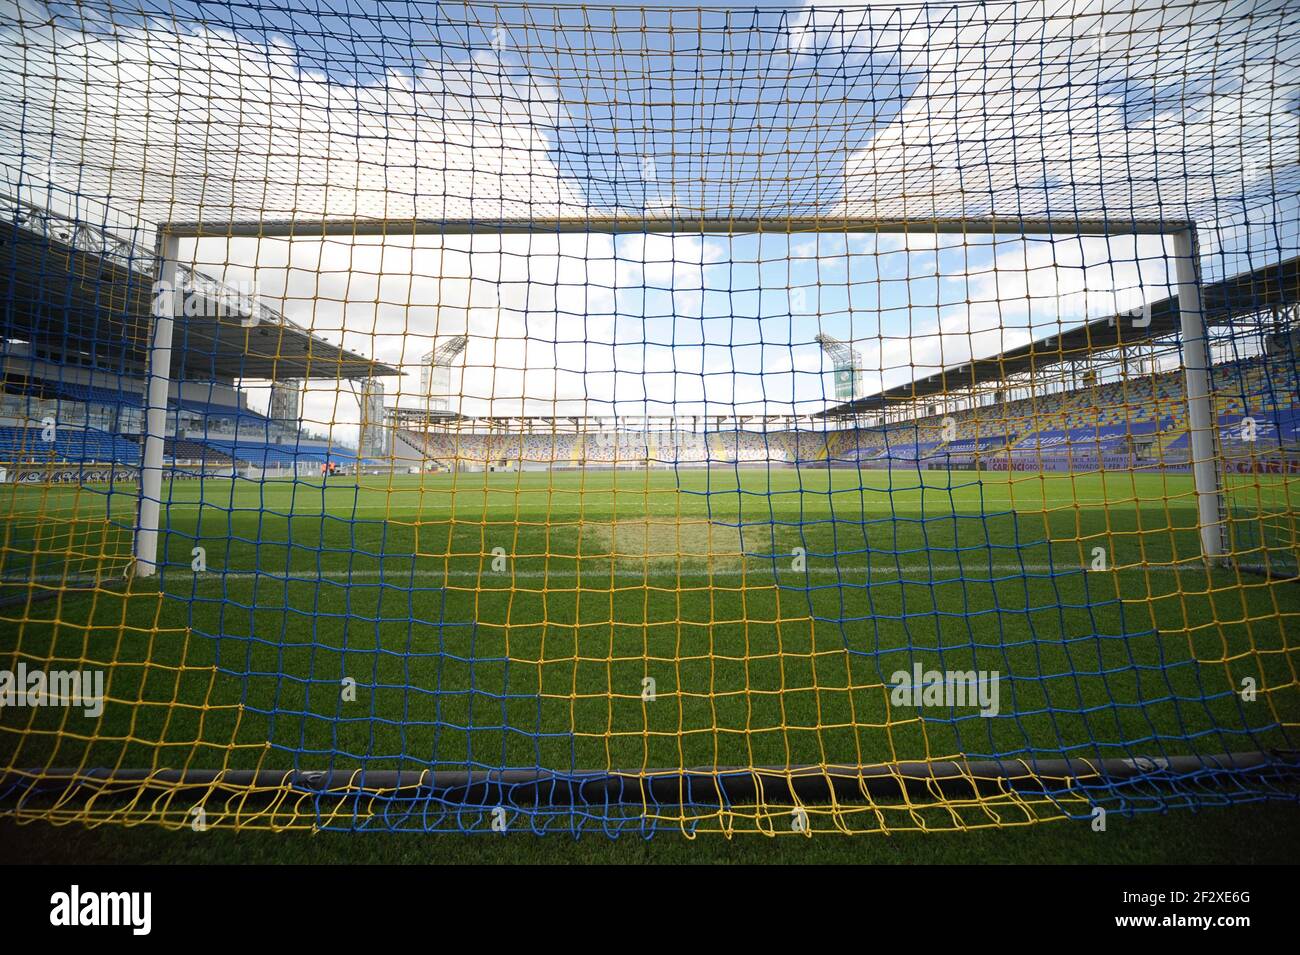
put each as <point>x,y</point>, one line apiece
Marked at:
<point>482,673</point>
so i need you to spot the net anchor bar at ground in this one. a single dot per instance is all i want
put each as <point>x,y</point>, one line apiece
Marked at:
<point>724,785</point>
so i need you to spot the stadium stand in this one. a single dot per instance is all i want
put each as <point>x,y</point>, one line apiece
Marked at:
<point>185,451</point>
<point>81,365</point>
<point>1143,417</point>
<point>1140,418</point>
<point>28,445</point>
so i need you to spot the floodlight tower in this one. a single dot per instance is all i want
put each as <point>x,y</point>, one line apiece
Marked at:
<point>847,362</point>
<point>373,437</point>
<point>435,372</point>
<point>286,403</point>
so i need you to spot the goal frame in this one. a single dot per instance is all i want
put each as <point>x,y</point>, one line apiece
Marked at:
<point>1193,327</point>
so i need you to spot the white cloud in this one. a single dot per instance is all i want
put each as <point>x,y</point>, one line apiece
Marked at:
<point>1017,96</point>
<point>254,136</point>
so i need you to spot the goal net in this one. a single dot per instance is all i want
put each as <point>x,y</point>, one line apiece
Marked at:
<point>491,418</point>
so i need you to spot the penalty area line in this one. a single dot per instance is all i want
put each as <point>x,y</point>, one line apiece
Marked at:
<point>1009,571</point>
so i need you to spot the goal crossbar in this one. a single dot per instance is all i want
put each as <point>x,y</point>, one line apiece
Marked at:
<point>997,225</point>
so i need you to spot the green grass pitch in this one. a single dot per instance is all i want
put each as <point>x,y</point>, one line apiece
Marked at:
<point>512,619</point>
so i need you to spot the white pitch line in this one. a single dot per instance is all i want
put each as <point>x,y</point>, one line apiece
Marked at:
<point>396,576</point>
<point>475,516</point>
<point>574,520</point>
